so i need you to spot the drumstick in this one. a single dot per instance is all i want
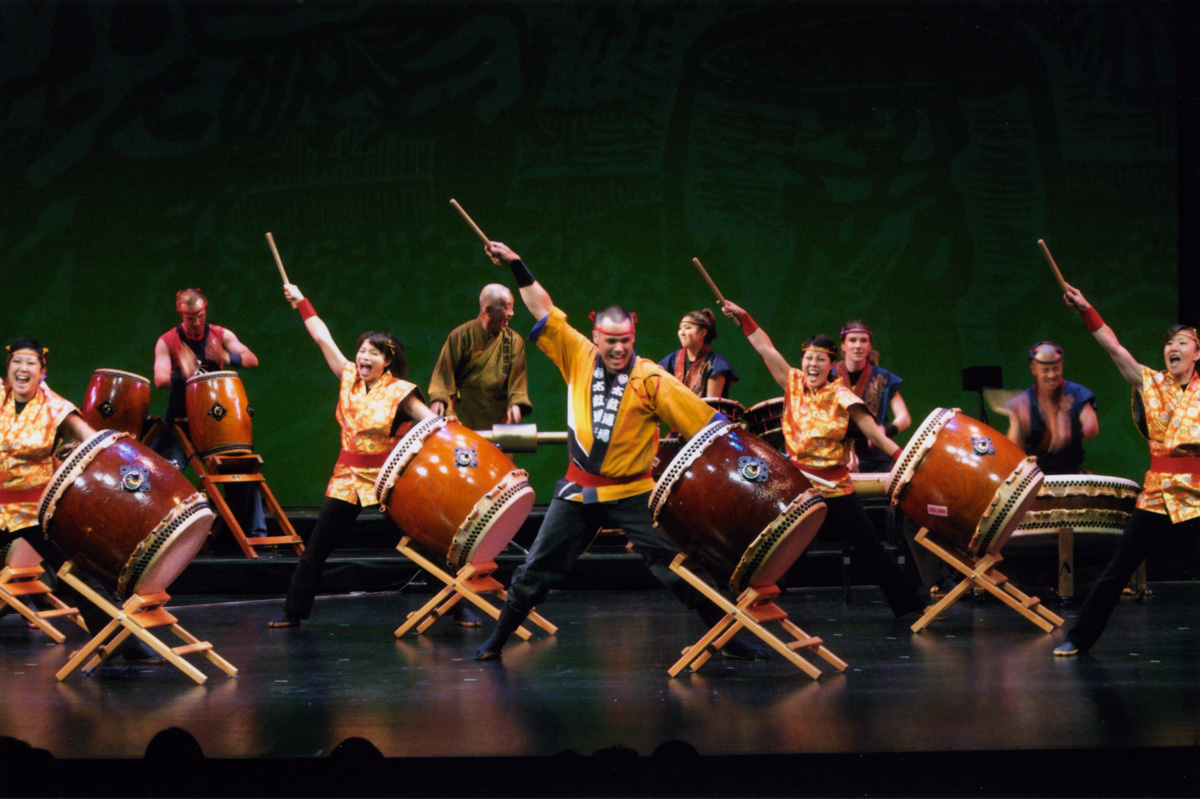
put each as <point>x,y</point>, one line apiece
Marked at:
<point>470,221</point>
<point>709,280</point>
<point>1053,266</point>
<point>278,260</point>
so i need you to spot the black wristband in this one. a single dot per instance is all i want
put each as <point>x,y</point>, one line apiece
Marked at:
<point>235,360</point>
<point>891,430</point>
<point>522,274</point>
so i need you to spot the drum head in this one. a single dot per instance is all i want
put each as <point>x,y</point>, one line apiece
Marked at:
<point>19,554</point>
<point>168,550</point>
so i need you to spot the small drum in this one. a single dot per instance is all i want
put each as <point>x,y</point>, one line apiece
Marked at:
<point>454,491</point>
<point>965,481</point>
<point>117,400</point>
<point>219,416</point>
<point>765,420</point>
<point>124,514</point>
<point>19,554</point>
<point>736,503</point>
<point>1088,504</point>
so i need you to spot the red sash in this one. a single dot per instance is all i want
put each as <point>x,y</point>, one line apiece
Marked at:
<point>363,460</point>
<point>30,495</point>
<point>1175,465</point>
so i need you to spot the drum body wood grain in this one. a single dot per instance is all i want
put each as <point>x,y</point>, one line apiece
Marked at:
<point>454,492</point>
<point>124,514</point>
<point>733,501</point>
<point>116,400</point>
<point>220,420</point>
<point>964,481</point>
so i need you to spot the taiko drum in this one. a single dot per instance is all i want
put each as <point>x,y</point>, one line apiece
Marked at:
<point>220,420</point>
<point>117,400</point>
<point>124,514</point>
<point>733,501</point>
<point>765,420</point>
<point>1087,504</point>
<point>454,492</point>
<point>964,481</point>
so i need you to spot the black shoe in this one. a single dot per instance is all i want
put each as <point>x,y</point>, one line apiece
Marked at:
<point>284,620</point>
<point>744,651</point>
<point>140,653</point>
<point>486,652</point>
<point>465,617</point>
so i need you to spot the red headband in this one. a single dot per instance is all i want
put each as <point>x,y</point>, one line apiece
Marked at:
<point>632,326</point>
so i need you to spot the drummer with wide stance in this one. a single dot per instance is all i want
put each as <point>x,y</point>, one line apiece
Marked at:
<point>374,400</point>
<point>615,403</point>
<point>1170,500</point>
<point>32,417</point>
<point>817,413</point>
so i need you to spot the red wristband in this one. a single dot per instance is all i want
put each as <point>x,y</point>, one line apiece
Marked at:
<point>1091,318</point>
<point>747,322</point>
<point>896,454</point>
<point>305,308</point>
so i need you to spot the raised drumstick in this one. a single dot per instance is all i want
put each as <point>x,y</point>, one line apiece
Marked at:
<point>278,260</point>
<point>711,285</point>
<point>1050,261</point>
<point>470,221</point>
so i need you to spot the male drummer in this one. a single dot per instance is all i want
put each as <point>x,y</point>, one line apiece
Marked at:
<point>195,347</point>
<point>614,405</point>
<point>1052,418</point>
<point>481,378</point>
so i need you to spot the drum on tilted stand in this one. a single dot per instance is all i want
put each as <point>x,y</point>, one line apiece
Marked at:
<point>968,487</point>
<point>117,400</point>
<point>21,580</point>
<point>732,502</point>
<point>457,494</point>
<point>133,522</point>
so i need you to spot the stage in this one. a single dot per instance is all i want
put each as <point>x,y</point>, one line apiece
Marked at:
<point>973,705</point>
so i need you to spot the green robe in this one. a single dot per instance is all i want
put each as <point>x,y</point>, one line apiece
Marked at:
<point>479,376</point>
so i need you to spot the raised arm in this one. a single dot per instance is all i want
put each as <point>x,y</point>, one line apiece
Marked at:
<point>775,362</point>
<point>1130,369</point>
<point>535,298</point>
<point>317,329</point>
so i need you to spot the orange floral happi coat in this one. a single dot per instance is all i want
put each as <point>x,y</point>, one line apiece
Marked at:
<point>1173,424</point>
<point>27,448</point>
<point>814,427</point>
<point>366,418</point>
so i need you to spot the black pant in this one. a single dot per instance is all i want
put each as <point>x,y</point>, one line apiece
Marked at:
<point>335,518</point>
<point>52,561</point>
<point>567,530</point>
<point>1143,532</point>
<point>846,516</point>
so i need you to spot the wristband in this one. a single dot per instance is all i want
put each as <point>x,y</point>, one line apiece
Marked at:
<point>521,273</point>
<point>747,322</point>
<point>895,455</point>
<point>235,359</point>
<point>890,430</point>
<point>305,307</point>
<point>1091,318</point>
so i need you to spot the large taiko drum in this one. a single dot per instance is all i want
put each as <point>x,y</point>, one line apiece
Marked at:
<point>19,554</point>
<point>219,416</point>
<point>117,400</point>
<point>124,514</point>
<point>965,481</point>
<point>1088,504</point>
<point>454,491</point>
<point>765,420</point>
<point>734,502</point>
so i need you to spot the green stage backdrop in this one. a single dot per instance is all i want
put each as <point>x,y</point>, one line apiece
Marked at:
<point>894,162</point>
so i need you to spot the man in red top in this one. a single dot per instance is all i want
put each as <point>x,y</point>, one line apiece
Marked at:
<point>194,346</point>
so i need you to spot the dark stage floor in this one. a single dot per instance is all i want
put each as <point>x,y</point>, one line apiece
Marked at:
<point>977,694</point>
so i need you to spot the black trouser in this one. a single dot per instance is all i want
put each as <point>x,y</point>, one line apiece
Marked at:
<point>335,518</point>
<point>567,530</point>
<point>52,561</point>
<point>1143,532</point>
<point>846,516</point>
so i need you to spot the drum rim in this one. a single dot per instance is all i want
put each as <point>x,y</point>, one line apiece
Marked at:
<point>72,468</point>
<point>770,400</point>
<point>1088,479</point>
<point>913,452</point>
<point>181,518</point>
<point>487,512</point>
<point>403,452</point>
<point>205,376</point>
<point>759,551</point>
<point>121,374</point>
<point>1008,507</point>
<point>686,456</point>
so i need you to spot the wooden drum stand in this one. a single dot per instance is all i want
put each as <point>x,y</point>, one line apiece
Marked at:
<point>17,582</point>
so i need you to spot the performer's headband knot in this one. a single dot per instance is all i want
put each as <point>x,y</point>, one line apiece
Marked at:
<point>1046,353</point>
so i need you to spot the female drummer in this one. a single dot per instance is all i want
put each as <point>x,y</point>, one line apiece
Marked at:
<point>32,417</point>
<point>697,367</point>
<point>817,413</point>
<point>373,401</point>
<point>1170,501</point>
